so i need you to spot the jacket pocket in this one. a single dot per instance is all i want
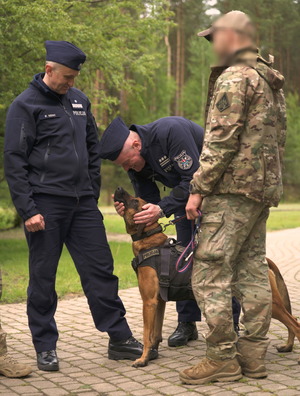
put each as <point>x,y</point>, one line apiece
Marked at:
<point>211,237</point>
<point>46,159</point>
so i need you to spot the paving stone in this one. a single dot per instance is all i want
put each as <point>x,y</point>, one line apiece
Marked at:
<point>143,392</point>
<point>86,371</point>
<point>171,390</point>
<point>88,394</point>
<point>9,393</point>
<point>55,392</point>
<point>288,392</point>
<point>27,389</point>
<point>104,387</point>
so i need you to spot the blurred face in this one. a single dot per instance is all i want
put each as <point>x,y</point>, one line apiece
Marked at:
<point>223,42</point>
<point>60,78</point>
<point>130,157</point>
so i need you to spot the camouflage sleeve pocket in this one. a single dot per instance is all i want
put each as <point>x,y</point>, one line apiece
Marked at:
<point>211,237</point>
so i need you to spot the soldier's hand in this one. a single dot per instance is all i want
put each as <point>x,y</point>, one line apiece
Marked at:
<point>120,207</point>
<point>192,206</point>
<point>35,223</point>
<point>149,215</point>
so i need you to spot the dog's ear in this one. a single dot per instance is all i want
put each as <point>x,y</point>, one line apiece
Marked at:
<point>140,229</point>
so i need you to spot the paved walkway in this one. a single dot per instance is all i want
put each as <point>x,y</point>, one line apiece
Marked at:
<point>86,371</point>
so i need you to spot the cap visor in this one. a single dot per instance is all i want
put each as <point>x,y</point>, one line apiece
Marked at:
<point>206,33</point>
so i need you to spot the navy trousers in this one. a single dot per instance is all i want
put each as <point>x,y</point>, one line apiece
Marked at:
<point>78,225</point>
<point>188,311</point>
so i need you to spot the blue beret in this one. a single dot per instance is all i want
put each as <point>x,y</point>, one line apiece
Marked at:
<point>113,139</point>
<point>65,53</point>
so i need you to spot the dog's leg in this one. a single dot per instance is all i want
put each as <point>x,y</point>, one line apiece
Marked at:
<point>149,289</point>
<point>280,313</point>
<point>159,320</point>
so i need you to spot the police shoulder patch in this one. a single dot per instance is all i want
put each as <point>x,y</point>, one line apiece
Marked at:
<point>184,161</point>
<point>223,103</point>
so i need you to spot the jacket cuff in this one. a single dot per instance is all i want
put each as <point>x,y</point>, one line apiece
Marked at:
<point>164,207</point>
<point>29,214</point>
<point>194,189</point>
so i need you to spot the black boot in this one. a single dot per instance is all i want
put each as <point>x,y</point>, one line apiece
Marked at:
<point>47,361</point>
<point>185,332</point>
<point>129,349</point>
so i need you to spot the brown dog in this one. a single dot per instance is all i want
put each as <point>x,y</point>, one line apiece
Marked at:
<point>154,306</point>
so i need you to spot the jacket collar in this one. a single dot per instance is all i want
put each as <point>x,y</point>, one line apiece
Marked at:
<point>38,83</point>
<point>247,55</point>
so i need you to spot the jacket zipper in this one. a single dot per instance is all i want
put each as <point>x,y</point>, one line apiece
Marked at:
<point>74,145</point>
<point>22,137</point>
<point>46,156</point>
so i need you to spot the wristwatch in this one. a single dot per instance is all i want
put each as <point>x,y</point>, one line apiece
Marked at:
<point>161,213</point>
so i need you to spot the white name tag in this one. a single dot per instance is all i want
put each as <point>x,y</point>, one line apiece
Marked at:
<point>79,113</point>
<point>77,106</point>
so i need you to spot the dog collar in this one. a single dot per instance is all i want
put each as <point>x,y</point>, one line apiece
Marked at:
<point>136,237</point>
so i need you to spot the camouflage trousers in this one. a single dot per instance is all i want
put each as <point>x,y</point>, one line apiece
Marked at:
<point>230,261</point>
<point>3,348</point>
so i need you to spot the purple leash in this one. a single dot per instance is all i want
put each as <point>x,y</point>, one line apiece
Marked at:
<point>191,246</point>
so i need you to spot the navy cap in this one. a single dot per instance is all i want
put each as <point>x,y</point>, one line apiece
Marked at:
<point>65,53</point>
<point>113,139</point>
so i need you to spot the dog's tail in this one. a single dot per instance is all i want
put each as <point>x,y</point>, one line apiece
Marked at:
<point>283,291</point>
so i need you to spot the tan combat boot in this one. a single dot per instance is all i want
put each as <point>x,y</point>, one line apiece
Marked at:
<point>11,368</point>
<point>208,370</point>
<point>251,357</point>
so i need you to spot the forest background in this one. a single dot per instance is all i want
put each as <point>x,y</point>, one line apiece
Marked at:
<point>144,61</point>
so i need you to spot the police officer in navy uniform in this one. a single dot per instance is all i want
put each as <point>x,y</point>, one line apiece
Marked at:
<point>166,150</point>
<point>52,165</point>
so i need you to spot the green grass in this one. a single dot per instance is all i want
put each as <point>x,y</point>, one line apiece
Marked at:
<point>14,255</point>
<point>286,216</point>
<point>14,258</point>
<point>281,219</point>
<point>114,224</point>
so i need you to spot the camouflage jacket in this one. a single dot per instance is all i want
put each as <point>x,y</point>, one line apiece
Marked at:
<point>245,131</point>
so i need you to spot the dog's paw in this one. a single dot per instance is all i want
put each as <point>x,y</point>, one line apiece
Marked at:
<point>284,348</point>
<point>140,363</point>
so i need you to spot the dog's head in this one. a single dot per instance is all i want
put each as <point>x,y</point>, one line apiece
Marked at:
<point>132,206</point>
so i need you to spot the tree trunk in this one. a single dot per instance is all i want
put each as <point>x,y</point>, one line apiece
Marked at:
<point>178,72</point>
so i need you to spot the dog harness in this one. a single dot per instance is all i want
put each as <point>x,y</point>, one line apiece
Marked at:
<point>174,285</point>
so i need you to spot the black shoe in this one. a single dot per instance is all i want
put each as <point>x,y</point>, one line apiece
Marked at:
<point>47,361</point>
<point>129,349</point>
<point>185,332</point>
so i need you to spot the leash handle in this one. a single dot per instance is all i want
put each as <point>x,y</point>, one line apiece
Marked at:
<point>191,245</point>
<point>172,222</point>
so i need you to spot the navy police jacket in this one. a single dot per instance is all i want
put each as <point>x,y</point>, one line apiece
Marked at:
<point>51,146</point>
<point>171,147</point>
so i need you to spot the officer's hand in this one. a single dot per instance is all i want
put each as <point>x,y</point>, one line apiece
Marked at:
<point>35,223</point>
<point>120,207</point>
<point>149,215</point>
<point>193,205</point>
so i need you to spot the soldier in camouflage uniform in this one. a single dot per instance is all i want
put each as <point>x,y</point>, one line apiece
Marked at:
<point>238,180</point>
<point>9,367</point>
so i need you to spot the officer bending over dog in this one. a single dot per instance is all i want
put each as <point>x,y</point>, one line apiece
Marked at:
<point>167,150</point>
<point>52,165</point>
